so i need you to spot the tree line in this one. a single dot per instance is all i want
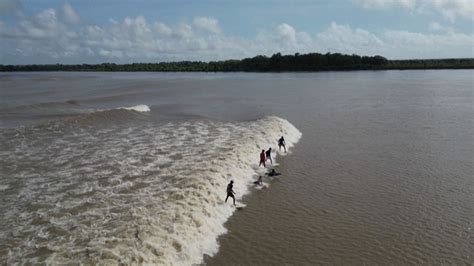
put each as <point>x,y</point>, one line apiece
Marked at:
<point>261,63</point>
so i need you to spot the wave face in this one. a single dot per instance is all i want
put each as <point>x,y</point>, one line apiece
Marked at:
<point>144,194</point>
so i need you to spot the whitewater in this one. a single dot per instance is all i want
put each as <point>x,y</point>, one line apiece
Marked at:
<point>102,188</point>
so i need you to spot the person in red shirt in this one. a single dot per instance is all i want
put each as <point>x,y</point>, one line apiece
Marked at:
<point>262,158</point>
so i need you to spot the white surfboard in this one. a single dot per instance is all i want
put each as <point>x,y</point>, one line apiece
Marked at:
<point>240,206</point>
<point>264,185</point>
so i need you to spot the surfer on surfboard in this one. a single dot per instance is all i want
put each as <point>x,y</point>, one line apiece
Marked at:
<point>268,154</point>
<point>262,158</point>
<point>259,181</point>
<point>281,142</point>
<point>273,173</point>
<point>230,191</point>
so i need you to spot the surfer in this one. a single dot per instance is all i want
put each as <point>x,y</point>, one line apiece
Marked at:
<point>273,173</point>
<point>230,191</point>
<point>268,154</point>
<point>281,142</point>
<point>259,181</point>
<point>262,158</point>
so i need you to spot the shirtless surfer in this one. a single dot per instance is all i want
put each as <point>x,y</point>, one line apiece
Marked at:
<point>268,154</point>
<point>281,142</point>
<point>259,181</point>
<point>230,191</point>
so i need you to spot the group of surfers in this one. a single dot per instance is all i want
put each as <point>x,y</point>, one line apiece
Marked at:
<point>264,156</point>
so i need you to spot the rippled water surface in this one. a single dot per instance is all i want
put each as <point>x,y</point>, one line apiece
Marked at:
<point>382,173</point>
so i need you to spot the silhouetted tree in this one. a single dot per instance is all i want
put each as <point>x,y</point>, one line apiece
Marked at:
<point>276,63</point>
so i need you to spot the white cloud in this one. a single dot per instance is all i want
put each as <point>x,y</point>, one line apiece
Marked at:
<point>69,14</point>
<point>449,9</point>
<point>344,39</point>
<point>283,38</point>
<point>50,38</point>
<point>452,9</point>
<point>287,34</point>
<point>436,27</point>
<point>43,25</point>
<point>417,45</point>
<point>207,24</point>
<point>161,28</point>
<point>396,44</point>
<point>184,31</point>
<point>110,54</point>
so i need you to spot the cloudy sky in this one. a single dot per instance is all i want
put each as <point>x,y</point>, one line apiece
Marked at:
<point>119,31</point>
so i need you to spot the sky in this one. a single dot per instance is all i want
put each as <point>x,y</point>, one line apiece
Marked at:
<point>119,31</point>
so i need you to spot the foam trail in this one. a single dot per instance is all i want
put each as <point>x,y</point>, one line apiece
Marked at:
<point>135,195</point>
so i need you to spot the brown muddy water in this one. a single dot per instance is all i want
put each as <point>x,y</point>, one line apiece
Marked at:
<point>382,173</point>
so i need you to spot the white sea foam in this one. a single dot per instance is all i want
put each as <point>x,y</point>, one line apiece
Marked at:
<point>138,108</point>
<point>135,195</point>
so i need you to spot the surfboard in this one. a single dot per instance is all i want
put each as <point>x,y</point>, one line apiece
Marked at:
<point>260,187</point>
<point>240,206</point>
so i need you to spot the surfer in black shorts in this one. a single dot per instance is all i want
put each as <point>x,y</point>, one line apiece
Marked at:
<point>268,155</point>
<point>281,142</point>
<point>230,191</point>
<point>273,173</point>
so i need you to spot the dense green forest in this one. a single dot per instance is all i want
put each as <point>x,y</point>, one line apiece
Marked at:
<point>275,63</point>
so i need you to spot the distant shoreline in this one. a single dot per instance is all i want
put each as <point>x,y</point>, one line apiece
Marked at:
<point>313,62</point>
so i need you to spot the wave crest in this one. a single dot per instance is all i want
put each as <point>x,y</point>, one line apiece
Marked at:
<point>139,108</point>
<point>134,194</point>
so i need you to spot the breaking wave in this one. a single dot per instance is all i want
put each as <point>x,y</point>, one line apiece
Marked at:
<point>146,194</point>
<point>138,108</point>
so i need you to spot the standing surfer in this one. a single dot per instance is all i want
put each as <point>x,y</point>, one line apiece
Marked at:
<point>281,142</point>
<point>268,154</point>
<point>230,191</point>
<point>262,158</point>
